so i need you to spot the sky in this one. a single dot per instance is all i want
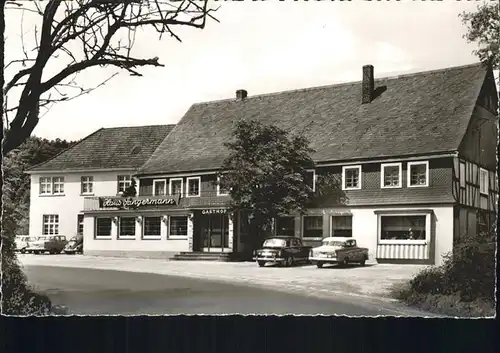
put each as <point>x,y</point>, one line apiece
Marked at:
<point>263,47</point>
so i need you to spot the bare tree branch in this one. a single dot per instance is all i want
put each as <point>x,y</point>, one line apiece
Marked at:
<point>104,33</point>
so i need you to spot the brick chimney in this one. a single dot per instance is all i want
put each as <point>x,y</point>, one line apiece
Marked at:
<point>368,84</point>
<point>241,94</point>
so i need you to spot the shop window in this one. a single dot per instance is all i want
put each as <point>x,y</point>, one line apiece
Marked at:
<point>193,186</point>
<point>87,185</point>
<point>403,228</point>
<point>391,175</point>
<point>126,228</point>
<point>178,226</point>
<point>351,177</point>
<point>313,227</point>
<point>175,187</point>
<point>342,226</point>
<point>159,187</point>
<point>418,174</point>
<point>152,227</point>
<point>103,227</point>
<point>124,181</point>
<point>285,226</point>
<point>79,229</point>
<point>50,224</point>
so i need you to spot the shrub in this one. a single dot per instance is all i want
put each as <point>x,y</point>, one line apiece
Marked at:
<point>430,280</point>
<point>17,297</point>
<point>470,270</point>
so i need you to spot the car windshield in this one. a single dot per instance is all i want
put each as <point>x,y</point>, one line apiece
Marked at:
<point>275,243</point>
<point>333,243</point>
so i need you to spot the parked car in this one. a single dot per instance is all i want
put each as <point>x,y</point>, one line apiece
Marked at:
<point>54,244</point>
<point>337,250</point>
<point>21,243</point>
<point>284,250</point>
<point>75,245</point>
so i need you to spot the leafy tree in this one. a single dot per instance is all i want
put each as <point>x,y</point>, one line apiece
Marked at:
<point>483,28</point>
<point>75,36</point>
<point>17,297</point>
<point>266,172</point>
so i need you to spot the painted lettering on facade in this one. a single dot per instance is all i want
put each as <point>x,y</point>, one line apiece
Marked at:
<point>117,202</point>
<point>214,211</point>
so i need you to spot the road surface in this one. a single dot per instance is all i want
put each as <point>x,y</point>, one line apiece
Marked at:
<point>105,292</point>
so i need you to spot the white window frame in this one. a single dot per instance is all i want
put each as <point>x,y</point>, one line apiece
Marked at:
<point>155,236</point>
<point>60,182</point>
<point>47,181</point>
<point>52,219</point>
<point>118,181</point>
<point>110,230</point>
<point>344,168</point>
<point>425,241</point>
<point>410,164</point>
<point>218,188</point>
<point>484,188</point>
<point>314,177</point>
<point>118,235</point>
<point>382,175</point>
<point>87,180</point>
<point>170,185</point>
<point>164,187</point>
<point>169,236</point>
<point>199,186</point>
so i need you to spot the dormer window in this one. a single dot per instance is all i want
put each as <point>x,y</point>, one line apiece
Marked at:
<point>175,187</point>
<point>159,187</point>
<point>193,187</point>
<point>311,179</point>
<point>391,175</point>
<point>418,174</point>
<point>351,177</point>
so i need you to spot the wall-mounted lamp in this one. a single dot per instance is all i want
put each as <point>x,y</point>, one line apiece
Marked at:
<point>115,220</point>
<point>138,219</point>
<point>165,219</point>
<point>191,216</point>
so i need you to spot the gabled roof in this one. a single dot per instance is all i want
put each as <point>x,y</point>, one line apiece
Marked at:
<point>426,112</point>
<point>109,148</point>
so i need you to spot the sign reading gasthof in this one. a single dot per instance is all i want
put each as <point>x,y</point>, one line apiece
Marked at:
<point>136,202</point>
<point>214,211</point>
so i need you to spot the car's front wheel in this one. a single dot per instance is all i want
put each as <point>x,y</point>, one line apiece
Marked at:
<point>261,263</point>
<point>319,264</point>
<point>22,251</point>
<point>362,262</point>
<point>289,261</point>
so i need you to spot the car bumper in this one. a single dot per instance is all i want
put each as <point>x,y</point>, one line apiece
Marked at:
<point>332,260</point>
<point>36,249</point>
<point>269,259</point>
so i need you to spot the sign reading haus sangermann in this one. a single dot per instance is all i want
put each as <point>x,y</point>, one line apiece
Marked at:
<point>137,202</point>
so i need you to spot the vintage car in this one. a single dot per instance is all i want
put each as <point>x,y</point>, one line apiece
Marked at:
<point>75,245</point>
<point>338,250</point>
<point>283,250</point>
<point>21,243</point>
<point>53,244</point>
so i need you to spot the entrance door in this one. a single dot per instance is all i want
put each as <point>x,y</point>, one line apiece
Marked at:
<point>215,233</point>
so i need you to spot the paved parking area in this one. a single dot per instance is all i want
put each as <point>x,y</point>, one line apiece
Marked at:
<point>371,282</point>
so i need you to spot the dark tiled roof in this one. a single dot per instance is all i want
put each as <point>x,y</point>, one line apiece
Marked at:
<point>107,148</point>
<point>419,113</point>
